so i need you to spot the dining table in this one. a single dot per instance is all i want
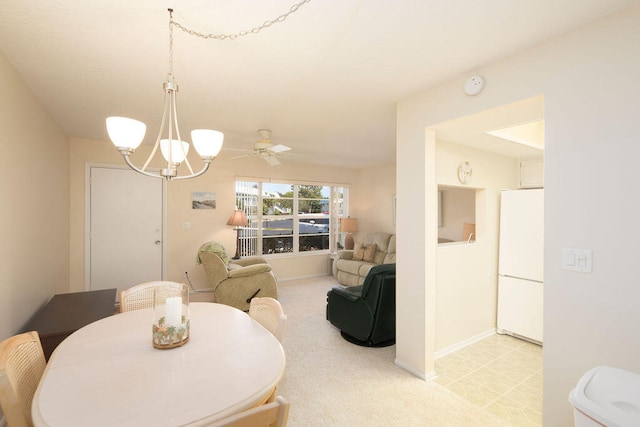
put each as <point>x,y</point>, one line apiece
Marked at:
<point>108,373</point>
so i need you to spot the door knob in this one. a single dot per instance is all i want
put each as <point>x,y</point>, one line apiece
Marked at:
<point>157,242</point>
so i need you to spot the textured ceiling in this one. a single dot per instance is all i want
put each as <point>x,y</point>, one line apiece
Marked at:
<point>325,81</point>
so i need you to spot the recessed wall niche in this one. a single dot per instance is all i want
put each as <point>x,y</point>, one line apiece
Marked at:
<point>457,214</point>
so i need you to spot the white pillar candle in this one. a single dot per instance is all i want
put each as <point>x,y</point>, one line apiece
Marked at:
<point>173,312</point>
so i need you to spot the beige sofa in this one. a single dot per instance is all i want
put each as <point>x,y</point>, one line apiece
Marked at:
<point>351,272</point>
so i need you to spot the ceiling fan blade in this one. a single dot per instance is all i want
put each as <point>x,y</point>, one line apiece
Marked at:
<point>273,160</point>
<point>279,148</point>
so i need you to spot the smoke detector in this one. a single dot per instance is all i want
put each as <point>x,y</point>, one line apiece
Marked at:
<point>474,85</point>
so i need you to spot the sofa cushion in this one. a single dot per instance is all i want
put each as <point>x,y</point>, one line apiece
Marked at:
<point>348,266</point>
<point>390,256</point>
<point>381,239</point>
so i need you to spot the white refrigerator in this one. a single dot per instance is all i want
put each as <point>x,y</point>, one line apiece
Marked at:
<point>521,264</point>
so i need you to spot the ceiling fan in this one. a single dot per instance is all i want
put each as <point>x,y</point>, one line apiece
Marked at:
<point>266,149</point>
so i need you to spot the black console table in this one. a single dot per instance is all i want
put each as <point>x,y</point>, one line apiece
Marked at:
<point>66,313</point>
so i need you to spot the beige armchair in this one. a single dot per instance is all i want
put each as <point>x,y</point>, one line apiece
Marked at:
<point>236,282</point>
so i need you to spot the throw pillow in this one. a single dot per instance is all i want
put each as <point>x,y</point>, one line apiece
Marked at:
<point>369,252</point>
<point>364,252</point>
<point>358,254</point>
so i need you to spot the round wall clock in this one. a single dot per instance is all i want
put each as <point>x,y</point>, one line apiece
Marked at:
<point>464,172</point>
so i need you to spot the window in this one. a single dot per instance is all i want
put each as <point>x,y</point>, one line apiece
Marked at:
<point>290,218</point>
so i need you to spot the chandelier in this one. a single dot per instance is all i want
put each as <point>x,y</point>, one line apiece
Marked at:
<point>127,134</point>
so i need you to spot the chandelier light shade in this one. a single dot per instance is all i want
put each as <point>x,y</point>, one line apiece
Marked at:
<point>178,152</point>
<point>127,134</point>
<point>348,226</point>
<point>238,219</point>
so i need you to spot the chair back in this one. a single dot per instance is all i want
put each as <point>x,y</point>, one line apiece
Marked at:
<point>273,414</point>
<point>268,312</point>
<point>215,267</point>
<point>141,296</point>
<point>22,363</point>
<point>370,282</point>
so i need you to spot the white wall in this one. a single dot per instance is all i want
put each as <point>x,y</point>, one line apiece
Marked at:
<point>34,195</point>
<point>466,281</point>
<point>589,82</point>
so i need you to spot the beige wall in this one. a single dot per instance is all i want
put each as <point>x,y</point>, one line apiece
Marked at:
<point>588,79</point>
<point>34,195</point>
<point>466,283</point>
<point>372,199</point>
<point>182,245</point>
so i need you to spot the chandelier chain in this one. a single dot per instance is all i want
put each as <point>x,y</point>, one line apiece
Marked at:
<point>234,36</point>
<point>170,75</point>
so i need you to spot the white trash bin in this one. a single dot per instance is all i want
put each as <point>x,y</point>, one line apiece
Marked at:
<point>606,396</point>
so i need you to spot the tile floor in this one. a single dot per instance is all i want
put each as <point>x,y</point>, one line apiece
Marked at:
<point>500,374</point>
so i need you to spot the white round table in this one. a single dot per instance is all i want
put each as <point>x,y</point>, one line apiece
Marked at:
<point>108,373</point>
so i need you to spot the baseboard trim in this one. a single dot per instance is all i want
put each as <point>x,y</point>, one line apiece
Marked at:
<point>422,375</point>
<point>312,276</point>
<point>463,344</point>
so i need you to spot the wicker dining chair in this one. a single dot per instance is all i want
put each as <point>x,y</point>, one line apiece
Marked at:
<point>141,296</point>
<point>268,312</point>
<point>22,363</point>
<point>273,414</point>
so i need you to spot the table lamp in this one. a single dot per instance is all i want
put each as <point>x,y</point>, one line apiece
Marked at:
<point>238,219</point>
<point>469,232</point>
<point>348,225</point>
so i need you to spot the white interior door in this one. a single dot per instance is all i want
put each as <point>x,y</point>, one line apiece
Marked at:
<point>125,228</point>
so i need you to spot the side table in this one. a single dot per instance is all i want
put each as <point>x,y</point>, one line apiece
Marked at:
<point>66,313</point>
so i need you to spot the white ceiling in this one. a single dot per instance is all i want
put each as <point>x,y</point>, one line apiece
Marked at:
<point>325,81</point>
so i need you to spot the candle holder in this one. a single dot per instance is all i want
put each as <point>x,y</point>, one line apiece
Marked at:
<point>171,316</point>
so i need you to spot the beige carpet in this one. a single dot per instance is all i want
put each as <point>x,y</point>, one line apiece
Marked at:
<point>331,382</point>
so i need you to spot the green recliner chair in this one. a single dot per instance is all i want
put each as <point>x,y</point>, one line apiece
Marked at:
<point>236,282</point>
<point>366,314</point>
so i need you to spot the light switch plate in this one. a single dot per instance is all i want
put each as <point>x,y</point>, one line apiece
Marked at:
<point>580,260</point>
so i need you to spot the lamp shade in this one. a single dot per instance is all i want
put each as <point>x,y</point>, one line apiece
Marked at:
<point>207,142</point>
<point>125,132</point>
<point>238,219</point>
<point>178,153</point>
<point>348,225</point>
<point>468,232</point>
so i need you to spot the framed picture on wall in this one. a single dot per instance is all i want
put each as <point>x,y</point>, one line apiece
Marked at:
<point>203,200</point>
